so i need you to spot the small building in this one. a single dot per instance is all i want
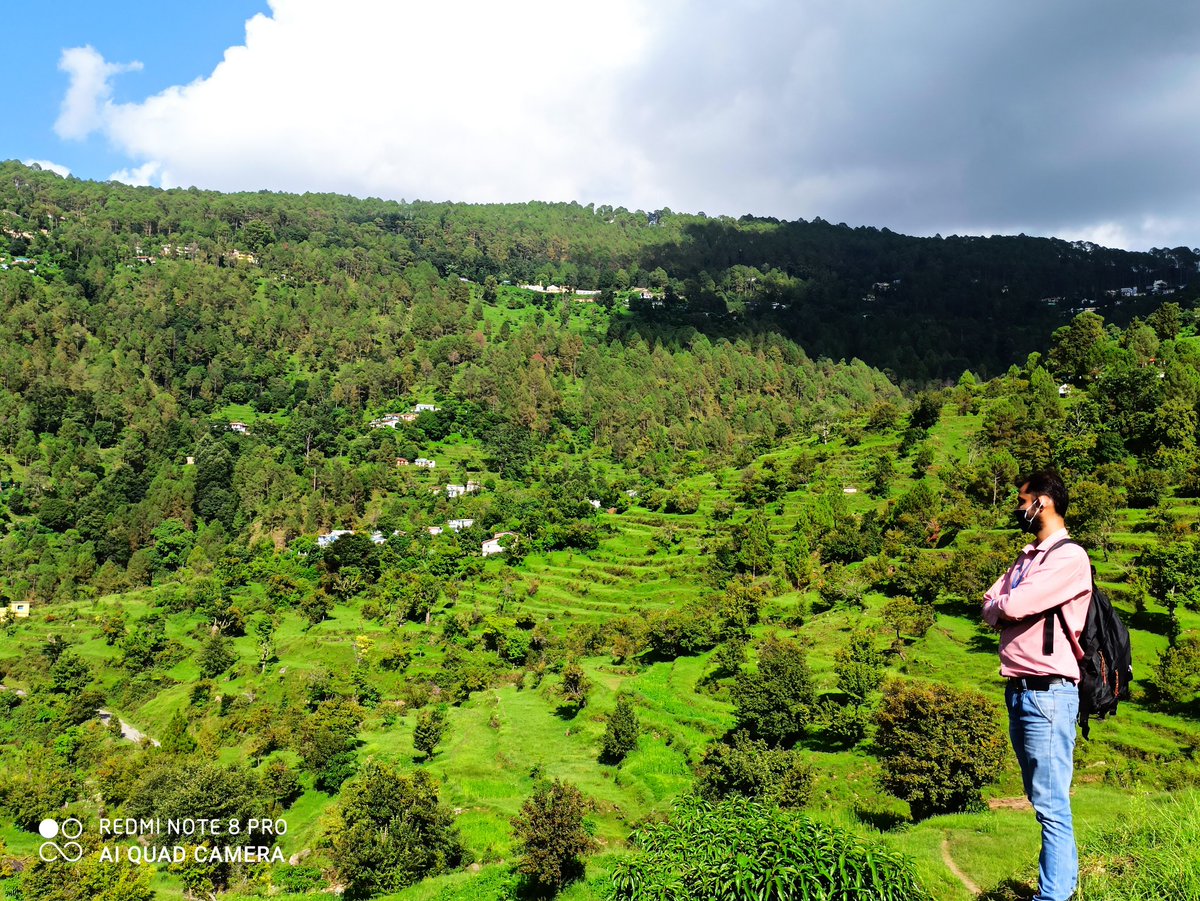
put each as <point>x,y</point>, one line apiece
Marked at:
<point>377,538</point>
<point>425,408</point>
<point>390,421</point>
<point>17,610</point>
<point>457,525</point>
<point>472,487</point>
<point>492,545</point>
<point>402,461</point>
<point>191,461</point>
<point>849,491</point>
<point>408,417</point>
<point>1064,390</point>
<point>453,491</point>
<point>436,530</point>
<point>424,463</point>
<point>330,537</point>
<point>240,427</point>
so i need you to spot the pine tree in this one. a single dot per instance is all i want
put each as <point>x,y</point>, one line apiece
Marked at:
<point>621,734</point>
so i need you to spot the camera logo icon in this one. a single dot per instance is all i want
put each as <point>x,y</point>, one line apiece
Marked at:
<point>69,850</point>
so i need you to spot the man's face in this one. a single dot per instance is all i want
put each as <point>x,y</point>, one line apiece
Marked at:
<point>1029,508</point>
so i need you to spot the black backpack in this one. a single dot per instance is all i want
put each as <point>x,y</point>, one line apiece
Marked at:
<point>1103,650</point>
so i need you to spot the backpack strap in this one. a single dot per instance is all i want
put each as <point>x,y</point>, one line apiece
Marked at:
<point>1048,615</point>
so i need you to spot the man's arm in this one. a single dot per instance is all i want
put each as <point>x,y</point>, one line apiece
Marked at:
<point>991,603</point>
<point>1058,578</point>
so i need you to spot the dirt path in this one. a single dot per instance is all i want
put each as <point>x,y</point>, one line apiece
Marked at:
<point>127,731</point>
<point>962,877</point>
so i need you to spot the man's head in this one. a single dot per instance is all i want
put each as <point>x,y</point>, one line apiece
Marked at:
<point>1042,500</point>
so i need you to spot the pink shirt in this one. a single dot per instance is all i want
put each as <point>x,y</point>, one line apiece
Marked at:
<point>1037,582</point>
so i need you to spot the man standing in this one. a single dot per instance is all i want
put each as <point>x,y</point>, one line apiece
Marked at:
<point>1039,662</point>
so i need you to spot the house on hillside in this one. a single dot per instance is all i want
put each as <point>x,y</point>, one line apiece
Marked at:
<point>240,427</point>
<point>402,461</point>
<point>492,545</point>
<point>425,408</point>
<point>390,421</point>
<point>330,537</point>
<point>409,417</point>
<point>424,463</point>
<point>457,525</point>
<point>17,610</point>
<point>436,530</point>
<point>453,491</point>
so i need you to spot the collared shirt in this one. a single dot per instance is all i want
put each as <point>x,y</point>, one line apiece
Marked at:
<point>1036,582</point>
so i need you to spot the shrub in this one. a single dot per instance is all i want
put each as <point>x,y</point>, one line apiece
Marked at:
<point>741,850</point>
<point>431,726</point>
<point>621,733</point>
<point>551,836</point>
<point>752,770</point>
<point>938,747</point>
<point>390,831</point>
<point>774,703</point>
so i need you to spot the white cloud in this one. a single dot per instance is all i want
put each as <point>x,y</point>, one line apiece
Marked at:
<point>141,176</point>
<point>56,168</point>
<point>919,117</point>
<point>81,112</point>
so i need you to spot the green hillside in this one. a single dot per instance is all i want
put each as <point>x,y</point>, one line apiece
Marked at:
<point>748,548</point>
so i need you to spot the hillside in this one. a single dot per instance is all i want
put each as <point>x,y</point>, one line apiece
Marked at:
<point>681,527</point>
<point>924,309</point>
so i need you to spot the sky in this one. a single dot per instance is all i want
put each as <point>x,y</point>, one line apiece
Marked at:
<point>1072,119</point>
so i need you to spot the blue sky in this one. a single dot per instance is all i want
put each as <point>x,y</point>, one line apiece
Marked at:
<point>1077,118</point>
<point>175,42</point>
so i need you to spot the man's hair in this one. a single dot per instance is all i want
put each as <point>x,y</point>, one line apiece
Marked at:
<point>1049,483</point>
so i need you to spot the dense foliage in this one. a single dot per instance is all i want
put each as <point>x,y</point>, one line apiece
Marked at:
<point>739,850</point>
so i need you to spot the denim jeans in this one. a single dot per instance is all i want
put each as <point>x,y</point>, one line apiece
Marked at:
<point>1041,725</point>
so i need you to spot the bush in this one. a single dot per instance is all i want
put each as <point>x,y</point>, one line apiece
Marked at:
<point>621,733</point>
<point>938,747</point>
<point>551,836</point>
<point>741,850</point>
<point>774,703</point>
<point>390,831</point>
<point>431,726</point>
<point>752,770</point>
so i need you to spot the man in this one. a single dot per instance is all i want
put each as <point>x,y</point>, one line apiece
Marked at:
<point>1042,695</point>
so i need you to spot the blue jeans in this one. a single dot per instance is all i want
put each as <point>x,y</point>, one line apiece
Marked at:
<point>1041,725</point>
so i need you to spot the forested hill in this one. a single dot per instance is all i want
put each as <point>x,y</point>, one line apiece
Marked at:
<point>920,308</point>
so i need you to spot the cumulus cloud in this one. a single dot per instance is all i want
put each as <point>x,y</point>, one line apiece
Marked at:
<point>87,99</point>
<point>56,168</point>
<point>1075,118</point>
<point>141,176</point>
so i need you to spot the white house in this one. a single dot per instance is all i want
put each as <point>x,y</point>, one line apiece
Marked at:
<point>472,487</point>
<point>436,530</point>
<point>424,463</point>
<point>386,422</point>
<point>331,537</point>
<point>17,610</point>
<point>492,545</point>
<point>458,525</point>
<point>425,408</point>
<point>453,491</point>
<point>240,427</point>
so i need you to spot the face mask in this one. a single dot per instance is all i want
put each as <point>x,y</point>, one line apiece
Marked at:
<point>1030,519</point>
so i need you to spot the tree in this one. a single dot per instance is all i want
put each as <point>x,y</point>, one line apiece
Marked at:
<point>938,747</point>
<point>747,767</point>
<point>216,656</point>
<point>389,831</point>
<point>907,617</point>
<point>881,472</point>
<point>574,688</point>
<point>859,666</point>
<point>774,702</point>
<point>429,730</point>
<point>621,732</point>
<point>551,836</point>
<point>176,739</point>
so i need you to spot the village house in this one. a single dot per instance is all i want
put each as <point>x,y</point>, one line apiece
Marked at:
<point>409,417</point>
<point>17,610</point>
<point>240,427</point>
<point>425,408</point>
<point>330,537</point>
<point>402,461</point>
<point>424,463</point>
<point>436,530</point>
<point>390,421</point>
<point>492,545</point>
<point>457,525</point>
